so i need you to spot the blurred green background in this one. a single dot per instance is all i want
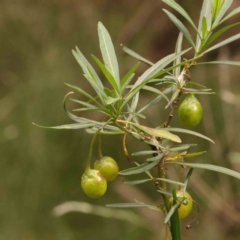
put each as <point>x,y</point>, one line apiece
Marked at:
<point>40,170</point>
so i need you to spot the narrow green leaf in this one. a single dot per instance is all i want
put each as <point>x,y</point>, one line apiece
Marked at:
<point>197,90</point>
<point>181,130</point>
<point>128,77</point>
<point>137,181</point>
<point>211,167</point>
<point>181,148</point>
<point>217,34</point>
<point>171,212</point>
<point>87,67</point>
<point>233,63</point>
<point>154,101</point>
<point>175,226</point>
<point>86,104</point>
<point>225,42</point>
<point>155,158</point>
<point>107,132</point>
<point>134,103</point>
<point>108,75</point>
<point>68,126</point>
<point>147,172</point>
<point>157,67</point>
<point>108,52</point>
<point>132,205</point>
<point>165,193</point>
<point>205,12</point>
<point>170,181</point>
<point>101,94</point>
<point>178,49</point>
<point>204,27</point>
<point>174,96</point>
<point>227,4</point>
<point>135,114</point>
<point>152,89</point>
<point>181,27</point>
<point>194,154</point>
<point>139,169</point>
<point>231,14</point>
<point>90,109</point>
<point>187,180</point>
<point>215,9</point>
<point>142,153</point>
<point>151,143</point>
<point>128,80</point>
<point>179,9</point>
<point>83,93</point>
<point>135,55</point>
<point>111,100</point>
<point>162,133</point>
<point>151,73</point>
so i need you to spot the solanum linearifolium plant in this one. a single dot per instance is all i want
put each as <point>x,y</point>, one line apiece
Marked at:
<point>119,105</point>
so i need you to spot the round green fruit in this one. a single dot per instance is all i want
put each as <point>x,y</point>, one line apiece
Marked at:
<point>186,203</point>
<point>107,167</point>
<point>93,183</point>
<point>190,111</point>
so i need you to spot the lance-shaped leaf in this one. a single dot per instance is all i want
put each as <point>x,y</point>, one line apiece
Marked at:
<point>108,75</point>
<point>152,89</point>
<point>153,72</point>
<point>162,133</point>
<point>142,153</point>
<point>205,12</point>
<point>137,181</point>
<point>170,181</point>
<point>232,63</point>
<point>69,126</point>
<point>101,94</point>
<point>87,67</point>
<point>139,169</point>
<point>225,42</point>
<point>179,9</point>
<point>174,218</point>
<point>231,14</point>
<point>217,34</point>
<point>153,159</point>
<point>181,130</point>
<point>226,5</point>
<point>156,100</point>
<point>171,212</point>
<point>108,52</point>
<point>178,49</point>
<point>211,167</point>
<point>216,6</point>
<point>84,93</point>
<point>135,55</point>
<point>173,98</point>
<point>128,77</point>
<point>181,27</point>
<point>132,205</point>
<point>187,180</point>
<point>165,193</point>
<point>157,67</point>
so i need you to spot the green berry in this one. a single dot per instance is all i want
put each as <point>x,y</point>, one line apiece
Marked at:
<point>93,183</point>
<point>190,111</point>
<point>186,203</point>
<point>108,168</point>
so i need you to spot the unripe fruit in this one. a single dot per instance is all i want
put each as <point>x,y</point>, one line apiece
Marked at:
<point>93,183</point>
<point>186,203</point>
<point>108,168</point>
<point>190,111</point>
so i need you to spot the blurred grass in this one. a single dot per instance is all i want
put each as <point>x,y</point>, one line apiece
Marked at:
<point>40,169</point>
